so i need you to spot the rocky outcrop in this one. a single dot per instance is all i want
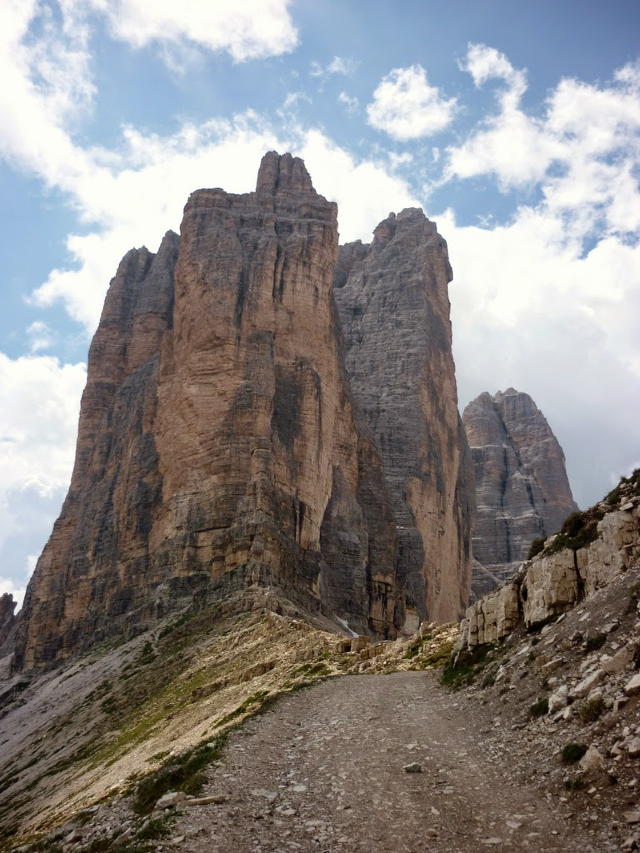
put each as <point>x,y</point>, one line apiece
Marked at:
<point>522,489</point>
<point>219,448</point>
<point>394,306</point>
<point>7,618</point>
<point>556,580</point>
<point>222,456</point>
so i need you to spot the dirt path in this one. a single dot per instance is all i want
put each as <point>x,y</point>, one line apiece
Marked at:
<point>325,771</point>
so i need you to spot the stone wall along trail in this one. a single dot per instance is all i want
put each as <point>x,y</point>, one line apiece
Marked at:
<point>325,770</point>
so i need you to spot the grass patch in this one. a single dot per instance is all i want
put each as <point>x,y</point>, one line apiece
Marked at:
<point>464,670</point>
<point>536,547</point>
<point>578,530</point>
<point>591,710</point>
<point>182,773</point>
<point>595,642</point>
<point>173,626</point>
<point>573,752</point>
<point>260,696</point>
<point>575,784</point>
<point>489,680</point>
<point>440,657</point>
<point>540,707</point>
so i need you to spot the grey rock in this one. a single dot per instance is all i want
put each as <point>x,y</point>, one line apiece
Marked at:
<point>414,767</point>
<point>592,759</point>
<point>632,687</point>
<point>392,296</point>
<point>521,482</point>
<point>559,699</point>
<point>587,684</point>
<point>216,799</point>
<point>171,800</point>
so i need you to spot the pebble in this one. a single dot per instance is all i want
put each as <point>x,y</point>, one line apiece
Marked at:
<point>414,767</point>
<point>268,795</point>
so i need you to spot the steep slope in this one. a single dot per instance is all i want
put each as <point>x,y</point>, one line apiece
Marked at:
<point>218,446</point>
<point>522,488</point>
<point>394,307</point>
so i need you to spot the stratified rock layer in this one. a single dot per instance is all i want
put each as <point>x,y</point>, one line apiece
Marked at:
<point>394,305</point>
<point>218,446</point>
<point>222,456</point>
<point>522,489</point>
<point>553,583</point>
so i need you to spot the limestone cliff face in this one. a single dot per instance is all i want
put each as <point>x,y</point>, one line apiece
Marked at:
<point>522,487</point>
<point>233,448</point>
<point>96,576</point>
<point>7,619</point>
<point>394,305</point>
<point>219,447</point>
<point>553,583</point>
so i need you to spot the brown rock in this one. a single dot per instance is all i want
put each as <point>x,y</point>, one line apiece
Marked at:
<point>224,451</point>
<point>219,448</point>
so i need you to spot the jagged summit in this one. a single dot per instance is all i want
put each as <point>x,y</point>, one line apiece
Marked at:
<point>227,449</point>
<point>522,487</point>
<point>283,173</point>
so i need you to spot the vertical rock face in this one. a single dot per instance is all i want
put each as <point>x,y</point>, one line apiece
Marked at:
<point>219,447</point>
<point>522,487</point>
<point>97,567</point>
<point>231,444</point>
<point>394,305</point>
<point>7,619</point>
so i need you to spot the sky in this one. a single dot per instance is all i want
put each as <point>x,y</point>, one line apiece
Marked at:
<point>515,126</point>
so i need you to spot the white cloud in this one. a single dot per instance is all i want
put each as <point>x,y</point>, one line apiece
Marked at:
<point>290,103</point>
<point>338,65</point>
<point>40,336</point>
<point>584,151</point>
<point>486,63</point>
<point>38,426</point>
<point>530,311</point>
<point>406,107</point>
<point>349,102</point>
<point>253,29</point>
<point>364,191</point>
<point>38,422</point>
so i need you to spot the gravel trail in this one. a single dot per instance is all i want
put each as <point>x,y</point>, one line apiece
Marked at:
<point>324,770</point>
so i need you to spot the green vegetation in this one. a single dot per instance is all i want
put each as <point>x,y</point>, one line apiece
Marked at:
<point>539,707</point>
<point>536,547</point>
<point>579,530</point>
<point>467,665</point>
<point>489,680</point>
<point>260,696</point>
<point>172,626</point>
<point>575,784</point>
<point>595,642</point>
<point>591,710</point>
<point>613,498</point>
<point>573,752</point>
<point>440,657</point>
<point>182,773</point>
<point>312,669</point>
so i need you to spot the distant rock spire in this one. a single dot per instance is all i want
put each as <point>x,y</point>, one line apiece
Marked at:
<point>522,488</point>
